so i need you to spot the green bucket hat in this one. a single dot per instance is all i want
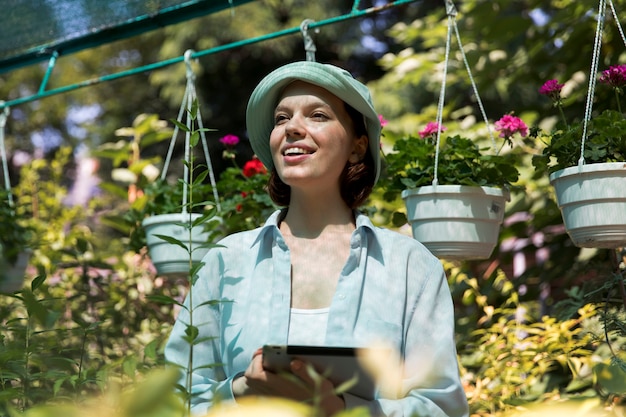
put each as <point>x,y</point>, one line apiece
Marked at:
<point>264,98</point>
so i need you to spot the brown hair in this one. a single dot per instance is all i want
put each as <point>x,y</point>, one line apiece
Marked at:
<point>356,181</point>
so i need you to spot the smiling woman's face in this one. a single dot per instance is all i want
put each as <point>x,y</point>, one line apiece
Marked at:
<point>313,137</point>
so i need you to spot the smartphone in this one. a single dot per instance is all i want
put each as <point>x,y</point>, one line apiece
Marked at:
<point>338,364</point>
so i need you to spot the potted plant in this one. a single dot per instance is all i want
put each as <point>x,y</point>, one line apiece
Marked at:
<point>15,243</point>
<point>158,218</point>
<point>587,166</point>
<point>244,203</point>
<point>454,193</point>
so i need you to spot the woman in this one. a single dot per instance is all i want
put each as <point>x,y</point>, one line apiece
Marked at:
<point>318,272</point>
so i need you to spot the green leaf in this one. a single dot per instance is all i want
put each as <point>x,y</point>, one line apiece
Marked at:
<point>180,125</point>
<point>193,111</point>
<point>173,241</point>
<point>194,138</point>
<point>163,299</point>
<point>611,378</point>
<point>191,333</point>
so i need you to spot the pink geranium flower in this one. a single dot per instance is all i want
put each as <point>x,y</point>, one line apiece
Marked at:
<point>431,129</point>
<point>229,140</point>
<point>615,76</point>
<point>509,125</point>
<point>552,88</point>
<point>383,122</point>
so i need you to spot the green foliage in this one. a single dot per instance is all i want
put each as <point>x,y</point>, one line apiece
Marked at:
<point>138,178</point>
<point>85,323</point>
<point>605,142</point>
<point>461,161</point>
<point>515,356</point>
<point>244,201</point>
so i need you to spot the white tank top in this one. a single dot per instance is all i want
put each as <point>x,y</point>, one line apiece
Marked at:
<point>308,326</point>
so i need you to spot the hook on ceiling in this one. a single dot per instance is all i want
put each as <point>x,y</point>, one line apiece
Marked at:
<point>309,45</point>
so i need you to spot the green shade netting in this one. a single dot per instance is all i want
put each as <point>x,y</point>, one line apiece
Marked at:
<point>31,30</point>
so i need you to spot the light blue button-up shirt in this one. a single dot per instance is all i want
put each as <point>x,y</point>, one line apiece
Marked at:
<point>391,289</point>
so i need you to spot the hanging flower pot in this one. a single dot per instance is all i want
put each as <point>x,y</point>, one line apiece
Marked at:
<point>159,218</point>
<point>171,259</point>
<point>461,218</point>
<point>589,177</point>
<point>453,191</point>
<point>592,199</point>
<point>455,221</point>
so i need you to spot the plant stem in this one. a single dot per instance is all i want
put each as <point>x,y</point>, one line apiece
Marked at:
<point>619,106</point>
<point>620,284</point>
<point>82,354</point>
<point>616,265</point>
<point>26,380</point>
<point>562,114</point>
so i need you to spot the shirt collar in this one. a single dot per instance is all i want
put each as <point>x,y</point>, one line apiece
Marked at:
<point>363,224</point>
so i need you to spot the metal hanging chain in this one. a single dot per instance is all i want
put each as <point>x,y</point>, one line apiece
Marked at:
<point>452,13</point>
<point>592,78</point>
<point>5,164</point>
<point>189,97</point>
<point>309,44</point>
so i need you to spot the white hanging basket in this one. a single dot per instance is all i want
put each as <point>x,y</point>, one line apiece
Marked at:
<point>169,259</point>
<point>456,221</point>
<point>592,199</point>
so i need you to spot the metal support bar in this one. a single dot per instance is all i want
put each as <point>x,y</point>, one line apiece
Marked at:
<point>352,15</point>
<point>46,77</point>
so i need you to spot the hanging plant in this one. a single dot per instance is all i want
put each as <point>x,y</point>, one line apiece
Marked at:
<point>605,132</point>
<point>587,160</point>
<point>460,161</point>
<point>454,192</point>
<point>446,191</point>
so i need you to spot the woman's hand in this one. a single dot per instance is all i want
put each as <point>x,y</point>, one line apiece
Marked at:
<point>296,385</point>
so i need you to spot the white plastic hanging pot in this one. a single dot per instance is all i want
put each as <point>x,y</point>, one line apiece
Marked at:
<point>592,199</point>
<point>12,276</point>
<point>170,259</point>
<point>456,221</point>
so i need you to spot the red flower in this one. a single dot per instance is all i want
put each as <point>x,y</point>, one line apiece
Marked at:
<point>253,167</point>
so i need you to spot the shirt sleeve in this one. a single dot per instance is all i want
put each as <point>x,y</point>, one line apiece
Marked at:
<point>209,383</point>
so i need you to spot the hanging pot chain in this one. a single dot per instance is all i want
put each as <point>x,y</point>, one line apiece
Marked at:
<point>619,26</point>
<point>594,68</point>
<point>442,92</point>
<point>452,13</point>
<point>5,165</point>
<point>189,97</point>
<point>592,78</point>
